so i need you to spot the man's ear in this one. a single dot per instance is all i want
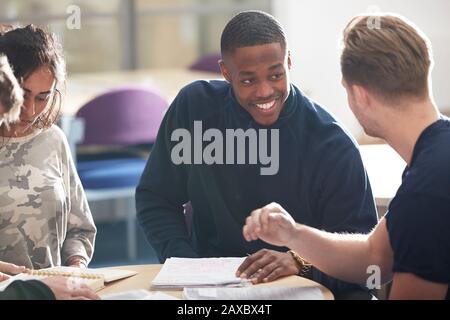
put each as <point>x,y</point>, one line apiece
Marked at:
<point>224,70</point>
<point>362,96</point>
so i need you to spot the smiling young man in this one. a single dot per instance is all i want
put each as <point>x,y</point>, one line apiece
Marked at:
<point>320,175</point>
<point>385,72</point>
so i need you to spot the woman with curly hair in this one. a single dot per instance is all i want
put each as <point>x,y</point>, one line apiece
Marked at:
<point>45,220</point>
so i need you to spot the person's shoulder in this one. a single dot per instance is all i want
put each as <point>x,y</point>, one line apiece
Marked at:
<point>322,125</point>
<point>54,133</point>
<point>433,154</point>
<point>439,140</point>
<point>199,100</point>
<point>426,182</point>
<point>54,136</point>
<point>316,113</point>
<point>205,89</point>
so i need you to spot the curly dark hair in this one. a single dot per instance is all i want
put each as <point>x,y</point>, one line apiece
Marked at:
<point>251,28</point>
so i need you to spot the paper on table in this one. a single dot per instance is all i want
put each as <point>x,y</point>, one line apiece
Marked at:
<point>199,272</point>
<point>138,295</point>
<point>254,293</point>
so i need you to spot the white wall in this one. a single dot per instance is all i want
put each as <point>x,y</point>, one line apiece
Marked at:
<point>314,29</point>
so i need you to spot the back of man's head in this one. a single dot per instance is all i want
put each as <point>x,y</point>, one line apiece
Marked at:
<point>251,28</point>
<point>386,55</point>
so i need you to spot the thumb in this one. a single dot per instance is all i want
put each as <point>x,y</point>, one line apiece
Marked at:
<point>11,268</point>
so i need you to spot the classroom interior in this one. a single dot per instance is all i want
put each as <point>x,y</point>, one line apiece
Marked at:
<point>162,45</point>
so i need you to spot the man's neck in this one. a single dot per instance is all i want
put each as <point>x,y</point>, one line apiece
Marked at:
<point>403,128</point>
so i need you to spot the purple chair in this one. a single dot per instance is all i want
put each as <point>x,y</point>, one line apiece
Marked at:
<point>122,118</point>
<point>208,63</point>
<point>125,116</point>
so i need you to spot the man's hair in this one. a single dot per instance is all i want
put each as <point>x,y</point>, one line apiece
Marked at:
<point>11,95</point>
<point>391,59</point>
<point>251,28</point>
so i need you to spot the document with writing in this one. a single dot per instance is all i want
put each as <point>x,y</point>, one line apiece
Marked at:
<point>254,293</point>
<point>199,272</point>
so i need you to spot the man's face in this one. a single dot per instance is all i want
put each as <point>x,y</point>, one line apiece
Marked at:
<point>259,76</point>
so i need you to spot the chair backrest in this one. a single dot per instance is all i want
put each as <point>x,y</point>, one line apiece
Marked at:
<point>124,116</point>
<point>209,63</point>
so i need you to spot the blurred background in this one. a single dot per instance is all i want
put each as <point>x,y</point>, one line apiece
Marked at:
<point>161,45</point>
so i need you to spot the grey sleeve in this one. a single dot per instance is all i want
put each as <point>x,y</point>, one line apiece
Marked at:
<point>81,230</point>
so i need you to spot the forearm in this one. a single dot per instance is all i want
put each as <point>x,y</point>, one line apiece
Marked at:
<point>76,249</point>
<point>78,243</point>
<point>343,256</point>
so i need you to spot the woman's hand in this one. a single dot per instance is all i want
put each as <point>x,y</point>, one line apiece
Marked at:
<point>77,262</point>
<point>9,268</point>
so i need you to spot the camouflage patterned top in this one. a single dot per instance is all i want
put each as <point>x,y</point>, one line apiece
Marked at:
<point>44,215</point>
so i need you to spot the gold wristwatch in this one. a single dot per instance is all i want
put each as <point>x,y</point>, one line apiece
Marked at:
<point>304,265</point>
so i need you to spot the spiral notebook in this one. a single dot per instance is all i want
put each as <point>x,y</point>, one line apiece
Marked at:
<point>93,278</point>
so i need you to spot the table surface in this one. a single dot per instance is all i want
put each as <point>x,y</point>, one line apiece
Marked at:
<point>147,272</point>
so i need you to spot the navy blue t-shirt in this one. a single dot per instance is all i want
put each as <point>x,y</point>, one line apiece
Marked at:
<point>418,219</point>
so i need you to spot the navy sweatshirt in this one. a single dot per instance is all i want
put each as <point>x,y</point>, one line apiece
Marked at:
<point>321,179</point>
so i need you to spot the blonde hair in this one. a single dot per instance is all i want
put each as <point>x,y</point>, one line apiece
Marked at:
<point>391,58</point>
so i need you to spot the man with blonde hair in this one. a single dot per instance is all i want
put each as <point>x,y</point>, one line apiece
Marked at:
<point>386,75</point>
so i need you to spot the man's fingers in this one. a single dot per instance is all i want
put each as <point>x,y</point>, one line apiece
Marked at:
<point>263,273</point>
<point>252,226</point>
<point>260,260</point>
<point>264,219</point>
<point>253,220</point>
<point>276,273</point>
<point>256,226</point>
<point>247,262</point>
<point>246,233</point>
